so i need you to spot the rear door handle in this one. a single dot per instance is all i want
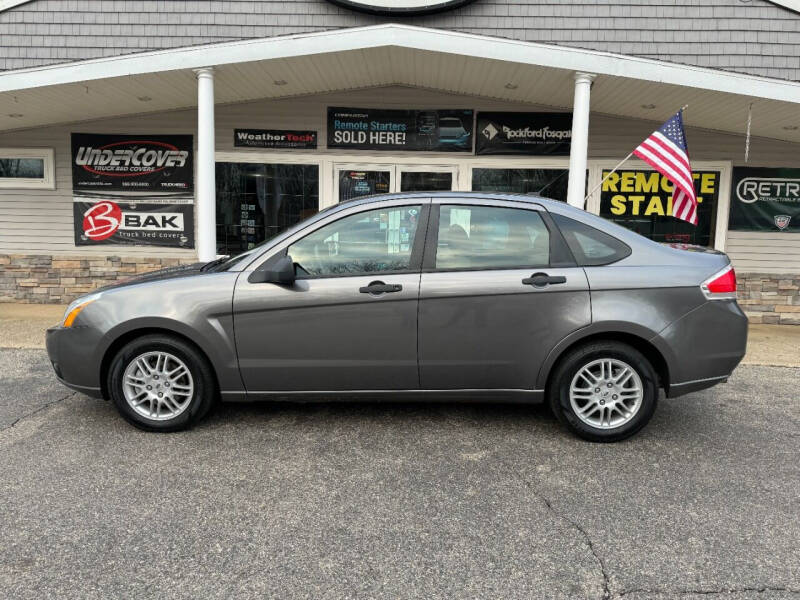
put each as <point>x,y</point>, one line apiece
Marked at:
<point>540,280</point>
<point>378,287</point>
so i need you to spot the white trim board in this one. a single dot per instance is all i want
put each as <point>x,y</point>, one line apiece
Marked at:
<point>405,36</point>
<point>790,4</point>
<point>6,4</point>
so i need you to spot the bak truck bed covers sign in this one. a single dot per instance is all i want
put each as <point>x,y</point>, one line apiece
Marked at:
<point>131,223</point>
<point>104,163</point>
<point>133,190</point>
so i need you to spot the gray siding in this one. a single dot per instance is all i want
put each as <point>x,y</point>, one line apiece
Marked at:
<point>755,37</point>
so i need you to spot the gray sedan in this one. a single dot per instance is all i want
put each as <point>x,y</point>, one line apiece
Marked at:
<point>427,296</point>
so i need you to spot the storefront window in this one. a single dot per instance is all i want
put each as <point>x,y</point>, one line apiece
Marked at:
<point>426,181</point>
<point>353,184</point>
<point>550,183</point>
<point>641,200</point>
<point>256,201</point>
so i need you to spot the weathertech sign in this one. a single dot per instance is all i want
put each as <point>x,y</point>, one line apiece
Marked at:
<point>132,163</point>
<point>133,224</point>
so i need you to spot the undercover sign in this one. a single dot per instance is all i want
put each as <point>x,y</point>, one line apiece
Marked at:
<point>132,163</point>
<point>103,222</point>
<point>274,138</point>
<point>765,200</point>
<point>417,130</point>
<point>534,133</point>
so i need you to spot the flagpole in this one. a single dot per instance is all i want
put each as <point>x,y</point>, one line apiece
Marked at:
<point>612,171</point>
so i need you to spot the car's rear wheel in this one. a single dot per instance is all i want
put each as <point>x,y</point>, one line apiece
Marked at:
<point>161,383</point>
<point>604,391</point>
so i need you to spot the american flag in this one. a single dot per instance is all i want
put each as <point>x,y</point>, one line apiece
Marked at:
<point>666,151</point>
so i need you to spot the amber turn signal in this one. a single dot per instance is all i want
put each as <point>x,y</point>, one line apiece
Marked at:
<point>72,315</point>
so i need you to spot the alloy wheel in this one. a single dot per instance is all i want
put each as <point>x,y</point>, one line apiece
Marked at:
<point>158,385</point>
<point>606,393</point>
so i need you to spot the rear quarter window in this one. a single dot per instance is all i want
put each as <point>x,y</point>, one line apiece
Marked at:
<point>590,246</point>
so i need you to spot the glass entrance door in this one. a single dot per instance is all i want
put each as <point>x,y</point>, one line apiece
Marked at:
<point>354,180</point>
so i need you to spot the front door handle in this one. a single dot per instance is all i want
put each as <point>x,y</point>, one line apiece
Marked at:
<point>378,287</point>
<point>540,280</point>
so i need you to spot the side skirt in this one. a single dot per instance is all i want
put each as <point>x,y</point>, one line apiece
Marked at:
<point>466,395</point>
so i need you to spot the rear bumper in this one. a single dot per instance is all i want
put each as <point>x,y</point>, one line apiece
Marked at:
<point>70,351</point>
<point>687,387</point>
<point>707,345</point>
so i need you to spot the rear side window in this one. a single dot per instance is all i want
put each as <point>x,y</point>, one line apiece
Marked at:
<point>590,246</point>
<point>489,237</point>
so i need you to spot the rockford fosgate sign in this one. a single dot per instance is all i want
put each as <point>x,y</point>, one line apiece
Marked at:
<point>132,163</point>
<point>524,133</point>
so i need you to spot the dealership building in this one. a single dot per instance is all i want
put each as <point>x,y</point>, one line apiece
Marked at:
<point>141,134</point>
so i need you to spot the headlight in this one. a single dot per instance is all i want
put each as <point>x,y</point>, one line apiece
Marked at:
<point>74,309</point>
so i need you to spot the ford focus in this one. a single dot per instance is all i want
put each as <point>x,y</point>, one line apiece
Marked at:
<point>436,296</point>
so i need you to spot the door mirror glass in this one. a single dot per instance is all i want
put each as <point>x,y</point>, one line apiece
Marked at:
<point>373,241</point>
<point>282,271</point>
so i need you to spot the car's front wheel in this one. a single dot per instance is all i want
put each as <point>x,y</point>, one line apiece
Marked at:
<point>604,391</point>
<point>161,383</point>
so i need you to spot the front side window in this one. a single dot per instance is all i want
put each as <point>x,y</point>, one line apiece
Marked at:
<point>488,237</point>
<point>375,241</point>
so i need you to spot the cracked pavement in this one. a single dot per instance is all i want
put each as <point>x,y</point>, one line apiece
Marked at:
<point>398,500</point>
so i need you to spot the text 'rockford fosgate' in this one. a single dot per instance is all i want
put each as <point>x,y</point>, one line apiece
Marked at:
<point>544,133</point>
<point>144,159</point>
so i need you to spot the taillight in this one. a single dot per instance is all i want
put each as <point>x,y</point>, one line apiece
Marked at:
<point>720,286</point>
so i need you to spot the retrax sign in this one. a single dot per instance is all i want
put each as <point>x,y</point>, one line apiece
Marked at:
<point>131,163</point>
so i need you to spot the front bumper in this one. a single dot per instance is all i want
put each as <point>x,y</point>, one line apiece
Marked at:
<point>71,350</point>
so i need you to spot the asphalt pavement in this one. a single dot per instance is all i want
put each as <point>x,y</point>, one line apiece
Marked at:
<point>379,500</point>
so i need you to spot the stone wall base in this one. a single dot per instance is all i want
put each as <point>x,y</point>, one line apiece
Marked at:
<point>46,279</point>
<point>770,298</point>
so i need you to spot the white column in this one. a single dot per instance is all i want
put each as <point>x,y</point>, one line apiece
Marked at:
<point>206,195</point>
<point>579,149</point>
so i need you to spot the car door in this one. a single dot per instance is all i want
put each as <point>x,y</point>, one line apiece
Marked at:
<point>349,321</point>
<point>499,290</point>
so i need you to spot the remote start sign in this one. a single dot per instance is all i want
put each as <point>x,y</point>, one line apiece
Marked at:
<point>132,223</point>
<point>132,163</point>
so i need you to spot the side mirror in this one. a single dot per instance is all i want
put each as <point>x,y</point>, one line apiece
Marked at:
<point>282,271</point>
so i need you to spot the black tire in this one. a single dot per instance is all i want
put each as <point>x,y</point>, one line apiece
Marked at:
<point>559,389</point>
<point>201,401</point>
